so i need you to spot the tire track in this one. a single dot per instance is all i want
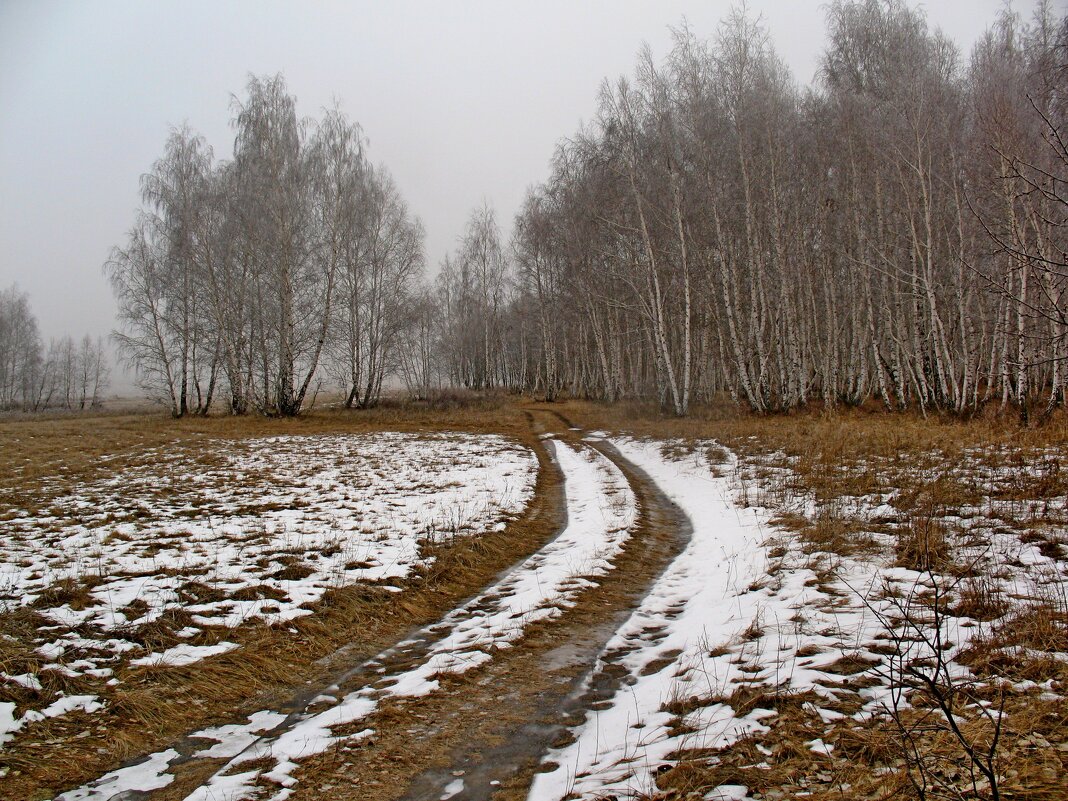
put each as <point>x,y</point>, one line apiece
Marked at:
<point>185,764</point>
<point>483,738</point>
<point>481,734</point>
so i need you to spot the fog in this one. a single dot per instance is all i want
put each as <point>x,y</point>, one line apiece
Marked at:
<point>462,100</point>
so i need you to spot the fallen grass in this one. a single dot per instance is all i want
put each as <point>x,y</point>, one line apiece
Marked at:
<point>1014,479</point>
<point>946,486</point>
<point>150,706</point>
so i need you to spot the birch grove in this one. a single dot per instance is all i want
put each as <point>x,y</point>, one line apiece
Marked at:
<point>68,374</point>
<point>257,278</point>
<point>894,234</point>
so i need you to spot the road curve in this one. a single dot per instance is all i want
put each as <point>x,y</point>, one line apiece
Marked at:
<point>482,733</point>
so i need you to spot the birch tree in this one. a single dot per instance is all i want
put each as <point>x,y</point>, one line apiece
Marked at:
<point>258,272</point>
<point>893,234</point>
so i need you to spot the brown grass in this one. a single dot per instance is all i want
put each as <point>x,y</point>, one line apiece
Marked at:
<point>929,470</point>
<point>833,533</point>
<point>153,705</point>
<point>829,457</point>
<point>923,546</point>
<point>978,598</point>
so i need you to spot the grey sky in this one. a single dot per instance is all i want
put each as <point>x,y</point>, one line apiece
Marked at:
<point>462,100</point>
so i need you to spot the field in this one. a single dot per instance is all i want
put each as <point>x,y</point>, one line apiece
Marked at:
<point>496,598</point>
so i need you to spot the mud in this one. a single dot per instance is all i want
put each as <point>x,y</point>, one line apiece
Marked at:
<point>498,762</point>
<point>483,734</point>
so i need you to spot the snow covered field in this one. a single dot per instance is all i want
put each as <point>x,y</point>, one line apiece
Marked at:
<point>601,509</point>
<point>698,601</point>
<point>191,544</point>
<point>750,615</point>
<point>791,608</point>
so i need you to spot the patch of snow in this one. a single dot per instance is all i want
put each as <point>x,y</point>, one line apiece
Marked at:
<point>8,723</point>
<point>817,746</point>
<point>699,597</point>
<point>719,620</point>
<point>149,774</point>
<point>63,705</point>
<point>453,789</point>
<point>27,680</point>
<point>180,655</point>
<point>728,792</point>
<point>256,530</point>
<point>601,511</point>
<point>232,740</point>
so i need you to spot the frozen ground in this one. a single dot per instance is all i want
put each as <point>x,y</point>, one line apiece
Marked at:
<point>191,544</point>
<point>264,752</point>
<point>699,600</point>
<point>749,615</point>
<point>754,612</point>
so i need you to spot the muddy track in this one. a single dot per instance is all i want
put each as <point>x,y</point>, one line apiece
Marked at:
<point>467,569</point>
<point>489,729</point>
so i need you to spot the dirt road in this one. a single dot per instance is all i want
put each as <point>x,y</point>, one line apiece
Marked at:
<point>465,732</point>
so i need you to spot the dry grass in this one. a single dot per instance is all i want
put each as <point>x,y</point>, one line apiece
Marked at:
<point>923,545</point>
<point>828,458</point>
<point>946,484</point>
<point>152,705</point>
<point>69,449</point>
<point>980,599</point>
<point>834,533</point>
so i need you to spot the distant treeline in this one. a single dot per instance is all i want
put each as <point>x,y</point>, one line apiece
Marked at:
<point>68,374</point>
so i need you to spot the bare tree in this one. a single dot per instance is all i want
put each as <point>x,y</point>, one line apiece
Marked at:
<point>20,351</point>
<point>894,233</point>
<point>377,288</point>
<point>233,271</point>
<point>157,279</point>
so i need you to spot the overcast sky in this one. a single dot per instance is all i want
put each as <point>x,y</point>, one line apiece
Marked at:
<point>463,101</point>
